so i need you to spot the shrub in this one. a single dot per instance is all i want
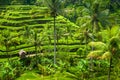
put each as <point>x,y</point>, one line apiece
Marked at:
<point>11,70</point>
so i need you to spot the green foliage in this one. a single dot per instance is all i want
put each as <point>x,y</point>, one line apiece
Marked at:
<point>114,31</point>
<point>4,2</point>
<point>83,21</point>
<point>31,75</point>
<point>98,45</point>
<point>95,54</point>
<point>81,52</point>
<point>7,72</point>
<point>17,67</point>
<point>89,15</point>
<point>80,71</point>
<point>106,55</point>
<point>10,71</point>
<point>113,45</point>
<point>45,70</point>
<point>39,2</point>
<point>54,6</point>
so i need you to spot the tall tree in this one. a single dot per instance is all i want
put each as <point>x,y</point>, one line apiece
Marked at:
<point>97,12</point>
<point>55,8</point>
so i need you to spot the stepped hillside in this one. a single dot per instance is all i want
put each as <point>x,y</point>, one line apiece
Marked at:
<point>19,16</point>
<point>23,21</point>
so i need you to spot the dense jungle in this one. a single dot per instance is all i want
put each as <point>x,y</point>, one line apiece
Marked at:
<point>59,39</point>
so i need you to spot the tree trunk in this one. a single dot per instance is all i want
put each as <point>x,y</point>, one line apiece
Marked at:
<point>55,40</point>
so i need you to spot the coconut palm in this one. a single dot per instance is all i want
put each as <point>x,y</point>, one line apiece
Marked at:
<point>93,18</point>
<point>97,14</point>
<point>54,6</point>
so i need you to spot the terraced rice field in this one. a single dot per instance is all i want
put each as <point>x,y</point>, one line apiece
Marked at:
<point>22,21</point>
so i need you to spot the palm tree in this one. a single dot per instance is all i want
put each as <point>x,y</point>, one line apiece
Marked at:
<point>93,18</point>
<point>54,6</point>
<point>98,16</point>
<point>97,13</point>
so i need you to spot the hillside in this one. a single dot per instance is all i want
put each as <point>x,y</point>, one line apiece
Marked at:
<point>23,21</point>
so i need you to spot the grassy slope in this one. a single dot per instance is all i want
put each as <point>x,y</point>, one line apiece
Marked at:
<point>16,17</point>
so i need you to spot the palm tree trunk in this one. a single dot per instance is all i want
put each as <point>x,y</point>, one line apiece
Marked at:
<point>55,40</point>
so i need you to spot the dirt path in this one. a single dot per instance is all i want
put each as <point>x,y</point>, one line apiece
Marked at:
<point>31,55</point>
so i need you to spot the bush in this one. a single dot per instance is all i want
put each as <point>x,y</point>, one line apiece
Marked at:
<point>81,52</point>
<point>11,70</point>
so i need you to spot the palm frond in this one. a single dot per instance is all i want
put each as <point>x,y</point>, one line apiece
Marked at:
<point>106,55</point>
<point>98,45</point>
<point>113,45</point>
<point>95,54</point>
<point>54,6</point>
<point>115,30</point>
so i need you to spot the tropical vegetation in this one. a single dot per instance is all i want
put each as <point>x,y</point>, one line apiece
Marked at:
<point>62,39</point>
